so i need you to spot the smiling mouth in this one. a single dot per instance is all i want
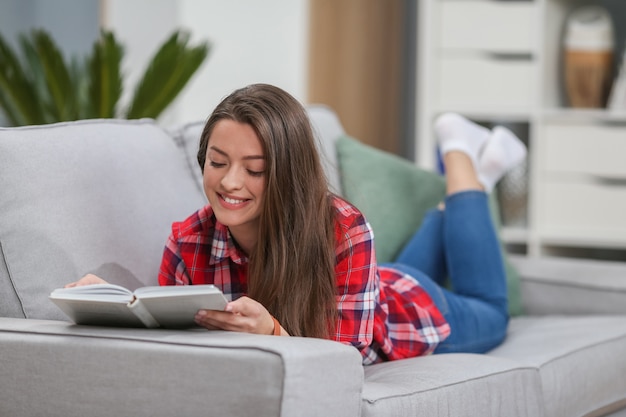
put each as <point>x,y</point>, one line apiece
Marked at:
<point>231,200</point>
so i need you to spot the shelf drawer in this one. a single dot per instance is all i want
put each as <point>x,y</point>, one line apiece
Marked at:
<point>583,208</point>
<point>477,80</point>
<point>495,26</point>
<point>597,150</point>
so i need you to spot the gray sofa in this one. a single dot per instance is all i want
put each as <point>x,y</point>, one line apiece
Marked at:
<point>99,196</point>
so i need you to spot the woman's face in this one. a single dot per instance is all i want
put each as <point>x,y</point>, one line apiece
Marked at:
<point>234,178</point>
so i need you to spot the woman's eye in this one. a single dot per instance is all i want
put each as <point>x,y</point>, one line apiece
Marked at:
<point>256,173</point>
<point>217,164</point>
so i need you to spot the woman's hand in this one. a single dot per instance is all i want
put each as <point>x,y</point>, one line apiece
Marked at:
<point>88,279</point>
<point>241,315</point>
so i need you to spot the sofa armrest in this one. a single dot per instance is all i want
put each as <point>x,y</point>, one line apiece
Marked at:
<point>56,368</point>
<point>571,286</point>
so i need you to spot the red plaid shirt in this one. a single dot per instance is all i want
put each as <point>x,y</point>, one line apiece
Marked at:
<point>382,312</point>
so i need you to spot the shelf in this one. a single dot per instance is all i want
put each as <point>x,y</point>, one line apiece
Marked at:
<point>574,188</point>
<point>584,240</point>
<point>488,113</point>
<point>584,116</point>
<point>548,114</point>
<point>514,235</point>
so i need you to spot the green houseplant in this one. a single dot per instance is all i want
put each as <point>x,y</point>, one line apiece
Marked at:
<point>40,86</point>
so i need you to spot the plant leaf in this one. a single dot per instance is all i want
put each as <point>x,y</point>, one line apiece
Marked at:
<point>37,78</point>
<point>20,100</point>
<point>168,72</point>
<point>80,82</point>
<point>8,110</point>
<point>105,77</point>
<point>57,76</point>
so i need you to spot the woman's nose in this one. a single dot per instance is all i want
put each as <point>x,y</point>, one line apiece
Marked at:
<point>233,179</point>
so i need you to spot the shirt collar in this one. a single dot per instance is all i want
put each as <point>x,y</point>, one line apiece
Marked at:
<point>223,247</point>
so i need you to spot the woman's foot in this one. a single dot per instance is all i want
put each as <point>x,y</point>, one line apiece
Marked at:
<point>493,153</point>
<point>502,152</point>
<point>456,133</point>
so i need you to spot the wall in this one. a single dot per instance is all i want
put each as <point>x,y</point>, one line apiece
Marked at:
<point>73,24</point>
<point>141,26</point>
<point>252,41</point>
<point>357,57</point>
<point>617,10</point>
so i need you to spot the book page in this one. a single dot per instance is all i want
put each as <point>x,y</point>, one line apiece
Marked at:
<point>175,290</point>
<point>95,292</point>
<point>176,306</point>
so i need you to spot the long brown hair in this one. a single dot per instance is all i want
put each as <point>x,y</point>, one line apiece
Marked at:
<point>291,270</point>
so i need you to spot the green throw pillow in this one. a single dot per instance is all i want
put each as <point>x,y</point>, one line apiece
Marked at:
<point>394,196</point>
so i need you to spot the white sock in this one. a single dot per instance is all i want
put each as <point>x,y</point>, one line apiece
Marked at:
<point>502,152</point>
<point>456,133</point>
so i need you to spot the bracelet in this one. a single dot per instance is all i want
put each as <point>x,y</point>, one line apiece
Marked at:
<point>276,327</point>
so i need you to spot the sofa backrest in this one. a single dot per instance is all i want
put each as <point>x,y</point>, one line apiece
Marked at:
<point>99,196</point>
<point>187,137</point>
<point>328,129</point>
<point>88,196</point>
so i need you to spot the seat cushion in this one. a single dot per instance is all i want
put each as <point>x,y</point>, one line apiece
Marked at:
<point>94,196</point>
<point>452,385</point>
<point>580,360</point>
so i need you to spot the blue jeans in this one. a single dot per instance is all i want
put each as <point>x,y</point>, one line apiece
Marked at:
<point>460,244</point>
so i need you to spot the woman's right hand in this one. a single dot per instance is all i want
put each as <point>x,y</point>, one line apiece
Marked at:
<point>88,279</point>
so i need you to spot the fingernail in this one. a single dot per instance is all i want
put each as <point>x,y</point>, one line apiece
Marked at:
<point>201,313</point>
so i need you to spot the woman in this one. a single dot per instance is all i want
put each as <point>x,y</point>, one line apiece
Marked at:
<point>298,260</point>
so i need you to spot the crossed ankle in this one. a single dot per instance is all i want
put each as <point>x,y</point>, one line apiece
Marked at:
<point>493,153</point>
<point>456,133</point>
<point>503,152</point>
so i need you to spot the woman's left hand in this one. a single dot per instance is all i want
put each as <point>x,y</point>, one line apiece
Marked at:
<point>241,315</point>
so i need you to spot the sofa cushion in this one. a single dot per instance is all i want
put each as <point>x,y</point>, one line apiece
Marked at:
<point>580,360</point>
<point>187,138</point>
<point>392,192</point>
<point>571,286</point>
<point>394,195</point>
<point>102,199</point>
<point>155,372</point>
<point>452,385</point>
<point>327,129</point>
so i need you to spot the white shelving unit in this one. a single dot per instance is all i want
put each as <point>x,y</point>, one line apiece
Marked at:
<point>500,61</point>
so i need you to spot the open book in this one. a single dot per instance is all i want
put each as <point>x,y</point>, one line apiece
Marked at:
<point>113,305</point>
